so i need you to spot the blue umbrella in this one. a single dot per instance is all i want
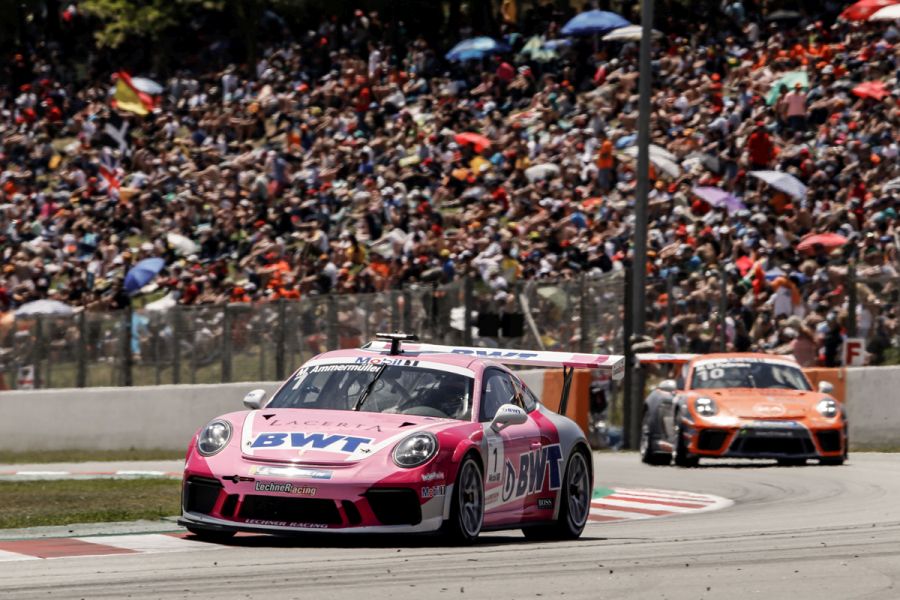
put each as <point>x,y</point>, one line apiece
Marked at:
<point>594,22</point>
<point>142,273</point>
<point>476,48</point>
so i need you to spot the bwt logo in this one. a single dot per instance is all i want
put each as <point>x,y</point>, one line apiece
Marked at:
<point>317,441</point>
<point>495,353</point>
<point>532,471</point>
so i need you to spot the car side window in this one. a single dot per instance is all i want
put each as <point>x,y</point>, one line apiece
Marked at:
<point>528,401</point>
<point>496,390</point>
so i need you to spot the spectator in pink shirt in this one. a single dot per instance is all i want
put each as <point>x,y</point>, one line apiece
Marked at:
<point>795,108</point>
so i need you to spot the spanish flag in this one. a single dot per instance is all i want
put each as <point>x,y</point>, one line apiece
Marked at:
<point>129,98</point>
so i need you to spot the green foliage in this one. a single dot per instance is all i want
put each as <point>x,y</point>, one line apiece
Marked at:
<point>122,19</point>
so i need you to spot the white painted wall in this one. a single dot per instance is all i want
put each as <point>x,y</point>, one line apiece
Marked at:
<point>114,418</point>
<point>873,406</point>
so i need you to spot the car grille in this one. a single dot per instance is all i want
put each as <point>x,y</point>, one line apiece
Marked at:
<point>291,510</point>
<point>395,506</point>
<point>711,439</point>
<point>200,494</point>
<point>773,443</point>
<point>829,441</point>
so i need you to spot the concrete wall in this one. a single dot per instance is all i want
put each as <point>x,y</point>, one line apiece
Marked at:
<point>114,418</point>
<point>873,406</point>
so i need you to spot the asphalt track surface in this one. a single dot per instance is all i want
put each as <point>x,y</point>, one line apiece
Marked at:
<point>793,532</point>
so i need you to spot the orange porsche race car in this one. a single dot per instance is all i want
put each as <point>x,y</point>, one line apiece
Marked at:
<point>740,406</point>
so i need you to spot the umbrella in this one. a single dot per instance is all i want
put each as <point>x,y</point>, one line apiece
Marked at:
<point>541,50</point>
<point>888,13</point>
<point>788,79</point>
<point>182,244</point>
<point>785,182</point>
<point>148,86</point>
<point>142,273</point>
<point>590,203</point>
<point>162,305</point>
<point>44,307</point>
<point>719,198</point>
<point>476,48</point>
<point>555,295</point>
<point>594,21</point>
<point>784,15</point>
<point>630,33</point>
<point>542,171</point>
<point>875,90</point>
<point>864,9</point>
<point>829,241</point>
<point>475,139</point>
<point>661,159</point>
<point>893,184</point>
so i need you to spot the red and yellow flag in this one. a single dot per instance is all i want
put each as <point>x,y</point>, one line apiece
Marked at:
<point>129,98</point>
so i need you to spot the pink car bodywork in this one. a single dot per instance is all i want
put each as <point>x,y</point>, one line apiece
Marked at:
<point>301,470</point>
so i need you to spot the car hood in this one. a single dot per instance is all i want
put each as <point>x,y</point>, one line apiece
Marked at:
<point>764,403</point>
<point>327,437</point>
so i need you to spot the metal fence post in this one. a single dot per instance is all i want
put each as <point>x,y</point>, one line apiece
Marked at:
<point>670,310</point>
<point>630,367</point>
<point>176,344</point>
<point>226,345</point>
<point>38,352</point>
<point>407,311</point>
<point>585,344</point>
<point>467,307</point>
<point>332,337</point>
<point>127,358</point>
<point>723,309</point>
<point>81,376</point>
<point>852,300</point>
<point>281,340</point>
<point>395,313</point>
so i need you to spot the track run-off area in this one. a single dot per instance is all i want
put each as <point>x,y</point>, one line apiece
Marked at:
<point>724,530</point>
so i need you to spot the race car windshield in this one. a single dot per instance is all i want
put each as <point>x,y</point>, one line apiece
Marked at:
<point>384,388</point>
<point>763,375</point>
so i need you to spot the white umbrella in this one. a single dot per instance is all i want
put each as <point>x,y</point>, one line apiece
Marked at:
<point>888,13</point>
<point>893,184</point>
<point>661,159</point>
<point>44,307</point>
<point>631,33</point>
<point>161,305</point>
<point>182,245</point>
<point>542,171</point>
<point>148,86</point>
<point>785,182</point>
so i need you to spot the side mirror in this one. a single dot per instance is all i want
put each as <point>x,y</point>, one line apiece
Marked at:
<point>825,387</point>
<point>253,399</point>
<point>668,385</point>
<point>508,414</point>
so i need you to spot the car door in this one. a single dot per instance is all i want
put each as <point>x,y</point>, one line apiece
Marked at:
<point>506,460</point>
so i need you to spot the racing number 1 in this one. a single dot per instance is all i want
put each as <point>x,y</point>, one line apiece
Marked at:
<point>495,458</point>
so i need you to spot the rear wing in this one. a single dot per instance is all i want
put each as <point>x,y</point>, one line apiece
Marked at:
<point>612,363</point>
<point>654,358</point>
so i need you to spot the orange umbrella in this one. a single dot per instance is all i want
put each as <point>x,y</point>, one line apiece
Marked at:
<point>475,139</point>
<point>862,10</point>
<point>828,241</point>
<point>875,90</point>
<point>591,203</point>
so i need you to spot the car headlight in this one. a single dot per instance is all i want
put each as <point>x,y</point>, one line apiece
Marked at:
<point>415,450</point>
<point>214,437</point>
<point>705,407</point>
<point>827,408</point>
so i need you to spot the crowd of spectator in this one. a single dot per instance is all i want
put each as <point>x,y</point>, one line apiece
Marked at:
<point>336,164</point>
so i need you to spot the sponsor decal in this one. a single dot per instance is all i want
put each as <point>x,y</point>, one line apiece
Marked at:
<point>285,524</point>
<point>347,444</point>
<point>292,472</point>
<point>431,491</point>
<point>492,498</point>
<point>771,410</point>
<point>285,488</point>
<point>432,476</point>
<point>494,353</point>
<point>545,503</point>
<point>534,467</point>
<point>318,423</point>
<point>374,362</point>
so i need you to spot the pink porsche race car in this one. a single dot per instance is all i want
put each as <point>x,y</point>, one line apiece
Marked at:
<point>397,437</point>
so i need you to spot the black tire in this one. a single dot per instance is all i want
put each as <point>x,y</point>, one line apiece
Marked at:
<point>832,462</point>
<point>212,535</point>
<point>575,504</point>
<point>680,454</point>
<point>649,456</point>
<point>467,506</point>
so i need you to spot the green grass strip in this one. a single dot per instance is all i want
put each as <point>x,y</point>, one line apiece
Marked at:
<point>602,492</point>
<point>58,456</point>
<point>38,503</point>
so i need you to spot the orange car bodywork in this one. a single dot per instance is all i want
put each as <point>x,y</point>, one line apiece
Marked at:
<point>759,423</point>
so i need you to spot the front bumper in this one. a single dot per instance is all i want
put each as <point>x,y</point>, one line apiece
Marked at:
<point>283,505</point>
<point>768,439</point>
